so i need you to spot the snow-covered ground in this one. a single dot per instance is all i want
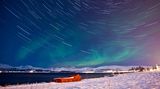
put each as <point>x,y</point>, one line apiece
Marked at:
<point>145,80</point>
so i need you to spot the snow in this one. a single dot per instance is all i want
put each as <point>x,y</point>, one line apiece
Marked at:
<point>4,66</point>
<point>141,80</point>
<point>100,69</point>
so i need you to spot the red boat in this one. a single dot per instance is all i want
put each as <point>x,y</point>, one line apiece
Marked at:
<point>68,79</point>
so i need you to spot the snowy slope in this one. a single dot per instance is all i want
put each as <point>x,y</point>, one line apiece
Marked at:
<point>4,66</point>
<point>146,80</point>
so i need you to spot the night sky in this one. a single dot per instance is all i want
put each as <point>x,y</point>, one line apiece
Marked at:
<point>78,33</point>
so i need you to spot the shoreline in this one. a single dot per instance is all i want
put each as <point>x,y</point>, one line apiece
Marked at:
<point>139,80</point>
<point>8,79</point>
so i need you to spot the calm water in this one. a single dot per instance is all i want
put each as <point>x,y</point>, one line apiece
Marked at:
<point>24,78</point>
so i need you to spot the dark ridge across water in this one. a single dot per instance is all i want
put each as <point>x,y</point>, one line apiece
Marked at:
<point>27,78</point>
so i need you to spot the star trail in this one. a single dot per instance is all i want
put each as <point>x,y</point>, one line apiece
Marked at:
<point>78,33</point>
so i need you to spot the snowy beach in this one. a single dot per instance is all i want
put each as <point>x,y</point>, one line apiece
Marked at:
<point>140,80</point>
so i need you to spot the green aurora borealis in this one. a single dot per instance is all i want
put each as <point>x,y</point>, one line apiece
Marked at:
<point>79,33</point>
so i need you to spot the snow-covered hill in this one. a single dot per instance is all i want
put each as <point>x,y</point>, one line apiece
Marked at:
<point>101,69</point>
<point>142,80</point>
<point>4,66</point>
